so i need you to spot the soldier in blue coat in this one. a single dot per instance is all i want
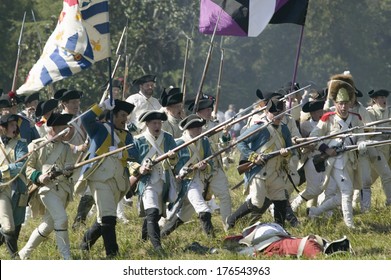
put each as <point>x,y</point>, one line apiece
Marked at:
<point>192,169</point>
<point>13,190</point>
<point>157,184</point>
<point>108,179</point>
<point>268,179</point>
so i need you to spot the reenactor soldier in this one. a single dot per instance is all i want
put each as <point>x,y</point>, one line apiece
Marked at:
<point>13,190</point>
<point>378,111</point>
<point>217,181</point>
<point>340,168</point>
<point>171,101</point>
<point>108,180</point>
<point>30,106</point>
<point>192,170</point>
<point>54,193</point>
<point>143,100</point>
<point>43,112</point>
<point>157,182</point>
<point>9,105</point>
<point>268,179</point>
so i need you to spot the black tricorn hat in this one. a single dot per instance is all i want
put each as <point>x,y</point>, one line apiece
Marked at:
<point>207,101</point>
<point>270,94</point>
<point>45,106</point>
<point>68,94</point>
<point>144,79</point>
<point>358,93</point>
<point>314,105</point>
<point>31,98</point>
<point>173,96</point>
<point>123,105</point>
<point>191,121</point>
<point>57,119</point>
<point>5,119</point>
<point>274,105</point>
<point>152,115</point>
<point>380,92</point>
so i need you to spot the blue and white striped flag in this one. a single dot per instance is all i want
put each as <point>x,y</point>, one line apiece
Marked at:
<point>81,37</point>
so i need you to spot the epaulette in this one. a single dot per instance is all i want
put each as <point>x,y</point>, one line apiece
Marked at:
<point>358,115</point>
<point>326,116</point>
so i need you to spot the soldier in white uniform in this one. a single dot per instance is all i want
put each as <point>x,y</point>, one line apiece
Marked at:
<point>53,193</point>
<point>314,178</point>
<point>218,181</point>
<point>143,100</point>
<point>379,111</point>
<point>171,101</point>
<point>340,169</point>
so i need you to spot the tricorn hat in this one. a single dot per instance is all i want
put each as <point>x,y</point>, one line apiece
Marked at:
<point>68,94</point>
<point>191,121</point>
<point>7,100</point>
<point>5,119</point>
<point>152,115</point>
<point>206,101</point>
<point>44,107</point>
<point>123,105</point>
<point>31,98</point>
<point>57,119</point>
<point>380,92</point>
<point>314,105</point>
<point>171,97</point>
<point>341,88</point>
<point>144,79</point>
<point>274,105</point>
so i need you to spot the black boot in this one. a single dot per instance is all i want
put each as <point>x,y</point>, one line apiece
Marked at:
<point>206,223</point>
<point>290,215</point>
<point>85,205</point>
<point>246,208</point>
<point>91,236</point>
<point>257,213</point>
<point>109,236</point>
<point>11,243</point>
<point>170,226</point>
<point>280,211</point>
<point>144,231</point>
<point>153,227</point>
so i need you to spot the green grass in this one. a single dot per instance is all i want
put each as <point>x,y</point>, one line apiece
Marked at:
<point>370,241</point>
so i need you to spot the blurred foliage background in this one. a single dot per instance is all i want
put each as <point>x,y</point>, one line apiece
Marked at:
<point>339,35</point>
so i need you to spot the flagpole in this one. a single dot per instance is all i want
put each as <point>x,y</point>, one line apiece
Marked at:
<point>296,62</point>
<point>111,101</point>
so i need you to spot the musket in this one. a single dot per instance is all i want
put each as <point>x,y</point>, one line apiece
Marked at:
<point>241,138</point>
<point>54,172</point>
<point>115,66</point>
<point>244,167</point>
<point>43,144</point>
<point>126,72</point>
<point>320,158</point>
<point>18,55</point>
<point>184,72</point>
<point>206,66</point>
<point>218,89</point>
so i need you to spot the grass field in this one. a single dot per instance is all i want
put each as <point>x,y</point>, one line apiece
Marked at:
<point>371,240</point>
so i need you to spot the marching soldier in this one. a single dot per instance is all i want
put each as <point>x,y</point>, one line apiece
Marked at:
<point>108,180</point>
<point>143,100</point>
<point>157,182</point>
<point>192,170</point>
<point>268,180</point>
<point>340,169</point>
<point>172,103</point>
<point>54,193</point>
<point>217,181</point>
<point>379,111</point>
<point>13,190</point>
<point>9,105</point>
